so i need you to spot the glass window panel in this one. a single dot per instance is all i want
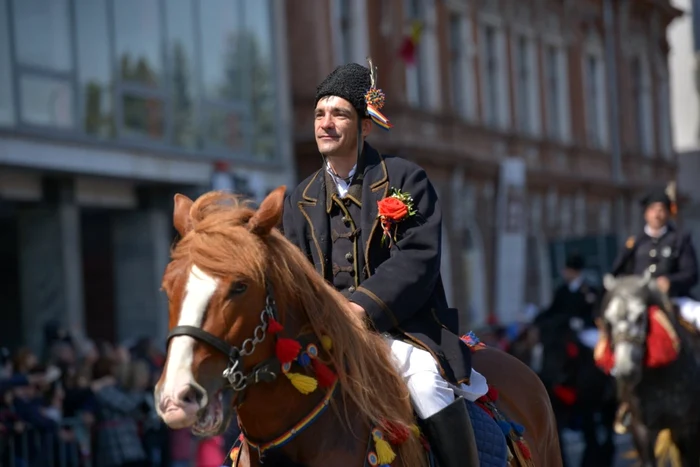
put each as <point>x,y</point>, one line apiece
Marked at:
<point>42,35</point>
<point>137,30</point>
<point>224,60</point>
<point>94,70</point>
<point>143,116</point>
<point>224,130</point>
<point>46,102</point>
<point>258,21</point>
<point>7,104</point>
<point>182,76</point>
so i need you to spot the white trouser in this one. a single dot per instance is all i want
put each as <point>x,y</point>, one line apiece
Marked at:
<point>689,310</point>
<point>430,393</point>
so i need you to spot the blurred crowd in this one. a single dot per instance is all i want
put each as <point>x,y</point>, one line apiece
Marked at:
<point>90,404</point>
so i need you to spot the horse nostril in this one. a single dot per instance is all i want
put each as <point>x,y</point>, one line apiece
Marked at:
<point>191,395</point>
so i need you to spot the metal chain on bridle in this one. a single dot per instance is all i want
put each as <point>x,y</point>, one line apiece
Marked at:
<point>234,374</point>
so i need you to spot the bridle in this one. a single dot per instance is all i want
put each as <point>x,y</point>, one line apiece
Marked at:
<point>266,371</point>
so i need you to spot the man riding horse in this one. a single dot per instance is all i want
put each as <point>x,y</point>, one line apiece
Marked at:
<point>666,252</point>
<point>371,224</point>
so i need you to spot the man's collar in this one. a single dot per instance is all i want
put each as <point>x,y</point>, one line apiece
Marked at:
<point>575,284</point>
<point>658,234</point>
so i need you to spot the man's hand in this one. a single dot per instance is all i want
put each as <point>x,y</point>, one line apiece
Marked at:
<point>663,283</point>
<point>358,311</point>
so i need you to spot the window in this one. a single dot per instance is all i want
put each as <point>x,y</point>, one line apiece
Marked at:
<point>262,92</point>
<point>664,110</point>
<point>7,104</point>
<point>44,59</point>
<point>137,25</point>
<point>557,95</point>
<point>415,74</point>
<point>527,95</point>
<point>94,70</point>
<point>182,75</point>
<point>342,18</point>
<point>42,37</point>
<point>495,90</point>
<point>596,111</point>
<point>641,90</point>
<point>195,74</point>
<point>461,66</point>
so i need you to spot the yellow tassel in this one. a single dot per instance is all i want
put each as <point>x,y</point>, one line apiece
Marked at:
<point>385,455</point>
<point>326,343</point>
<point>304,384</point>
<point>415,430</point>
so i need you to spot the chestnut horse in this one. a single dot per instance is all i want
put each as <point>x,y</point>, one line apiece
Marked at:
<point>246,303</point>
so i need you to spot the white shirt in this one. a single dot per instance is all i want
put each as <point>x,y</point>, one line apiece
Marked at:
<point>341,184</point>
<point>659,234</point>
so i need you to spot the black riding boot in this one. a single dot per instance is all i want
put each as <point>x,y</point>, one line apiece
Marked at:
<point>451,436</point>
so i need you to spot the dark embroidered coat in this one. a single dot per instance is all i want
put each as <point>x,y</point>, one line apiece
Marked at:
<point>399,287</point>
<point>671,255</point>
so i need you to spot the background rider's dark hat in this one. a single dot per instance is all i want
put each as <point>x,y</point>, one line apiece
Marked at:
<point>575,262</point>
<point>656,196</point>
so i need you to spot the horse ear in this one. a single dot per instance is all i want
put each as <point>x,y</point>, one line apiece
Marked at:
<point>181,214</point>
<point>269,214</point>
<point>609,281</point>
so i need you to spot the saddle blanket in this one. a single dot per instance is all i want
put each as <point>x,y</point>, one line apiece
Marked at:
<point>490,440</point>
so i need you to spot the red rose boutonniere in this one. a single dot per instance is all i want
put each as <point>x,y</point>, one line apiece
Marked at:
<point>393,209</point>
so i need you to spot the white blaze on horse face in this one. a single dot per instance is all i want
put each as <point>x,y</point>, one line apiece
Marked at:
<point>198,292</point>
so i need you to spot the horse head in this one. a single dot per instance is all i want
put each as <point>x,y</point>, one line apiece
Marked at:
<point>218,305</point>
<point>626,317</point>
<point>237,289</point>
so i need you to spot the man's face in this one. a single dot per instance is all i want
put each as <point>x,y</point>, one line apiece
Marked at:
<point>656,215</point>
<point>335,126</point>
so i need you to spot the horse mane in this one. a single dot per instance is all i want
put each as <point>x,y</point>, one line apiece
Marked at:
<point>221,244</point>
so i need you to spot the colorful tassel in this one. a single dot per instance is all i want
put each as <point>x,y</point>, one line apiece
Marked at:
<point>304,384</point>
<point>304,359</point>
<point>325,375</point>
<point>524,449</point>
<point>385,454</point>
<point>395,433</point>
<point>273,326</point>
<point>326,343</point>
<point>505,427</point>
<point>287,350</point>
<point>415,430</point>
<point>519,429</point>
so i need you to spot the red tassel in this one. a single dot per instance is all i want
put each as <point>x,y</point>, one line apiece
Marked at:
<point>492,394</point>
<point>273,326</point>
<point>662,348</point>
<point>287,350</point>
<point>407,51</point>
<point>603,356</point>
<point>396,434</point>
<point>571,350</point>
<point>524,449</point>
<point>324,375</point>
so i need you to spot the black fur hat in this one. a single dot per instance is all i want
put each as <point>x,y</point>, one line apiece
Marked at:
<point>351,82</point>
<point>656,196</point>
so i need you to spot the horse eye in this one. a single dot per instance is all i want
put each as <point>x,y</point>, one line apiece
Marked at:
<point>238,288</point>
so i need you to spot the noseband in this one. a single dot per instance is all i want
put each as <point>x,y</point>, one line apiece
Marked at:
<point>266,371</point>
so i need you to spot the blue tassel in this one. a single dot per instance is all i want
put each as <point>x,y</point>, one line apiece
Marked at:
<point>519,429</point>
<point>505,427</point>
<point>303,359</point>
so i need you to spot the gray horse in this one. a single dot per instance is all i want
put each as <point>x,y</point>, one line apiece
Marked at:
<point>663,398</point>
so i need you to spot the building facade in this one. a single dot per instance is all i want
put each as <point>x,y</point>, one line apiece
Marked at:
<point>107,108</point>
<point>539,121</point>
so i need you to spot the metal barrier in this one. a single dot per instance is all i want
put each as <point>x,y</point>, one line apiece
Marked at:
<point>36,448</point>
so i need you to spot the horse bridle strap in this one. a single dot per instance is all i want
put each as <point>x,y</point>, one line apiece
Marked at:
<point>265,371</point>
